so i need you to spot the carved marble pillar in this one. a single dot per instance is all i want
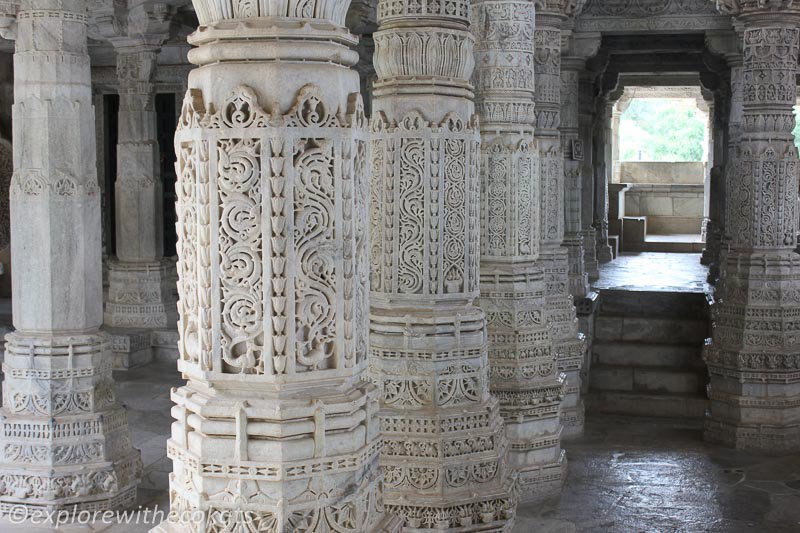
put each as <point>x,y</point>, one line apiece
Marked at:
<point>141,291</point>
<point>616,168</point>
<point>275,431</point>
<point>755,353</point>
<point>720,148</point>
<point>444,454</point>
<point>568,343</point>
<point>586,118</point>
<point>64,440</point>
<point>571,145</point>
<point>523,372</point>
<point>602,170</point>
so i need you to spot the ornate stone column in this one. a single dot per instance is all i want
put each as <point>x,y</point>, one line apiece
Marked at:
<point>602,152</point>
<point>755,354</point>
<point>444,455</point>
<point>720,148</point>
<point>141,290</point>
<point>573,153</point>
<point>64,441</point>
<point>275,428</point>
<point>616,168</point>
<point>568,343</point>
<point>577,50</point>
<point>586,118</point>
<point>523,372</point>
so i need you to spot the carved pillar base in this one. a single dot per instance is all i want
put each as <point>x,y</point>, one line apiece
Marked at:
<point>65,439</point>
<point>568,342</point>
<point>444,443</point>
<point>603,251</point>
<point>141,295</point>
<point>587,308</point>
<point>524,376</point>
<point>754,361</point>
<point>590,262</point>
<point>578,279</point>
<point>232,480</point>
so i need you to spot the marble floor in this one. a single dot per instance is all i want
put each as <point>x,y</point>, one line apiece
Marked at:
<point>625,475</point>
<point>631,475</point>
<point>654,271</point>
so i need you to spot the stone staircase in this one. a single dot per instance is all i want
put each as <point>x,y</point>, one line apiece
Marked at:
<point>647,354</point>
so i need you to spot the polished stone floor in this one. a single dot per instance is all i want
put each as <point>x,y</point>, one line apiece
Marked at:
<point>654,271</point>
<point>631,475</point>
<point>626,475</point>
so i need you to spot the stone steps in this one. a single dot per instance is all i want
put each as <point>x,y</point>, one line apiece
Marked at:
<point>650,330</point>
<point>647,354</point>
<point>653,379</point>
<point>643,404</point>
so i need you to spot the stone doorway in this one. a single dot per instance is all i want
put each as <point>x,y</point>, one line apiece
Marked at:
<point>660,180</point>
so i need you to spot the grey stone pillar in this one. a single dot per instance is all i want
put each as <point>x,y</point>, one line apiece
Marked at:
<point>602,173</point>
<point>755,350</point>
<point>444,454</point>
<point>571,145</point>
<point>586,109</point>
<point>720,148</point>
<point>276,429</point>
<point>141,290</point>
<point>64,439</point>
<point>616,169</point>
<point>523,372</point>
<point>568,343</point>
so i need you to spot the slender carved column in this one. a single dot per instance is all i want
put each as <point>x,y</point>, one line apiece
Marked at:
<point>602,172</point>
<point>275,429</point>
<point>586,118</point>
<point>444,457</point>
<point>141,290</point>
<point>573,153</point>
<point>64,440</point>
<point>616,168</point>
<point>715,229</point>
<point>755,354</point>
<point>568,343</point>
<point>524,373</point>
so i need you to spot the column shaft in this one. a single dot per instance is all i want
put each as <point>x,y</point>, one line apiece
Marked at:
<point>754,357</point>
<point>602,167</point>
<point>141,282</point>
<point>444,456</point>
<point>586,105</point>
<point>275,428</point>
<point>64,440</point>
<point>573,175</point>
<point>524,373</point>
<point>568,343</point>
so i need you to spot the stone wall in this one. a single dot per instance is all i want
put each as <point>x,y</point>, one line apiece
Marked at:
<point>688,172</point>
<point>668,208</point>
